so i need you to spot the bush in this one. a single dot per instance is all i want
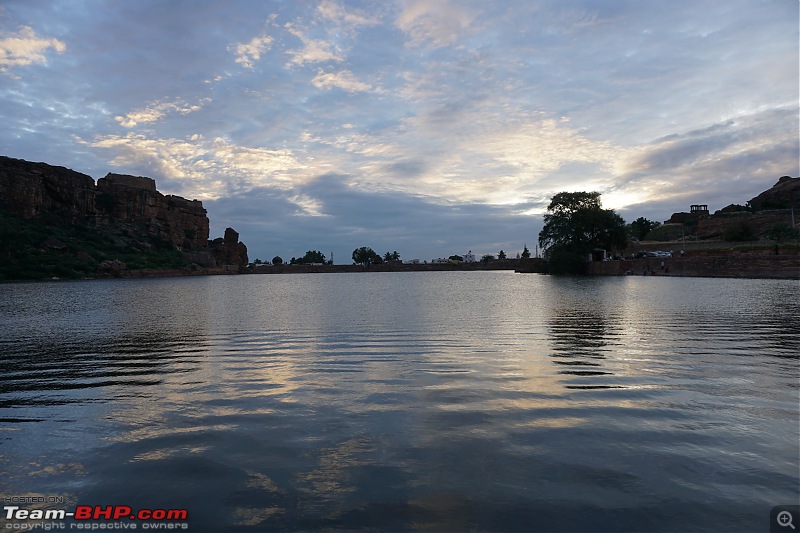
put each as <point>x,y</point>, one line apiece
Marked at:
<point>740,231</point>
<point>781,233</point>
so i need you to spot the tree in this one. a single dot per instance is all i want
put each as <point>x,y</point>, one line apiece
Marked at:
<point>277,260</point>
<point>574,226</point>
<point>456,258</point>
<point>526,254</point>
<point>312,256</point>
<point>501,255</point>
<point>740,231</point>
<point>365,255</point>
<point>639,228</point>
<point>781,233</point>
<point>391,257</point>
<point>487,258</point>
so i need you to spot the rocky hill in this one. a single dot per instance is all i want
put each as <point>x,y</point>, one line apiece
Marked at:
<point>783,195</point>
<point>769,210</point>
<point>58,222</point>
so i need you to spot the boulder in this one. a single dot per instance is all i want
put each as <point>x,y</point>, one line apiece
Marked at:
<point>228,250</point>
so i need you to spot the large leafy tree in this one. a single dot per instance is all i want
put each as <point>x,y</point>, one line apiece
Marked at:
<point>365,255</point>
<point>574,226</point>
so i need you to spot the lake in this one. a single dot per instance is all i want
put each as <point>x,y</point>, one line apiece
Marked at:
<point>442,401</point>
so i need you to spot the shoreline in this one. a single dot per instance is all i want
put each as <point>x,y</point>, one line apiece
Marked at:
<point>711,266</point>
<point>745,266</point>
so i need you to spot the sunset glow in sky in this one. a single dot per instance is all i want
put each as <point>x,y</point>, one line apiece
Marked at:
<point>430,127</point>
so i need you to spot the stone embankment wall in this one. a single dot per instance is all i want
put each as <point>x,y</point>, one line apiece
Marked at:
<point>719,266</point>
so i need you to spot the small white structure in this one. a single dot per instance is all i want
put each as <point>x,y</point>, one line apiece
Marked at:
<point>469,257</point>
<point>440,260</point>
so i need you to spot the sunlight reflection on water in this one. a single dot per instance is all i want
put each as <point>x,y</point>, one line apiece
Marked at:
<point>435,401</point>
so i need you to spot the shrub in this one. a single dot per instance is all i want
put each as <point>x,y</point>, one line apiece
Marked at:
<point>740,231</point>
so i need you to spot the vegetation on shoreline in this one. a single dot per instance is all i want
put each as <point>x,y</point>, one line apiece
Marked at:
<point>575,226</point>
<point>39,249</point>
<point>58,223</point>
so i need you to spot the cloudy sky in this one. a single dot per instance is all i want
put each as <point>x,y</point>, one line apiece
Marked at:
<point>430,127</point>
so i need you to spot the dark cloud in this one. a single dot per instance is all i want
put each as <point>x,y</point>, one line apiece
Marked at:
<point>273,224</point>
<point>746,148</point>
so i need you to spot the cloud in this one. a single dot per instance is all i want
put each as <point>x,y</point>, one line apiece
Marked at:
<point>372,122</point>
<point>343,79</point>
<point>718,164</point>
<point>713,144</point>
<point>25,48</point>
<point>345,17</point>
<point>201,168</point>
<point>157,110</point>
<point>471,155</point>
<point>354,217</point>
<point>313,50</point>
<point>248,53</point>
<point>434,23</point>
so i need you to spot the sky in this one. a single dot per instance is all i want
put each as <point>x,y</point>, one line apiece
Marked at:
<point>426,127</point>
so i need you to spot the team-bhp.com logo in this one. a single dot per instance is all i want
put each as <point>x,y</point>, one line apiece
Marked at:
<point>89,517</point>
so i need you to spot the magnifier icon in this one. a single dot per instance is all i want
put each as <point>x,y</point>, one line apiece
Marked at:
<point>785,519</point>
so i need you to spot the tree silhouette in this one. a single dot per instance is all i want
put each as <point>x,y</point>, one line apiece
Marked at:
<point>365,255</point>
<point>574,226</point>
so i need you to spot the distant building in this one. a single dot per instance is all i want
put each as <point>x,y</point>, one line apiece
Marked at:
<point>696,211</point>
<point>469,257</point>
<point>440,260</point>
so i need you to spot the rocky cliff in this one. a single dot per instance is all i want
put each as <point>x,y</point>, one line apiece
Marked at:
<point>130,213</point>
<point>135,199</point>
<point>34,190</point>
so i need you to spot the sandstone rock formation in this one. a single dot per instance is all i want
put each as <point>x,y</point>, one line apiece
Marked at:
<point>111,268</point>
<point>57,195</point>
<point>135,199</point>
<point>37,189</point>
<point>228,250</point>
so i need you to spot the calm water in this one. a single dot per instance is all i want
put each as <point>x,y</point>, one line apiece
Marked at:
<point>448,401</point>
